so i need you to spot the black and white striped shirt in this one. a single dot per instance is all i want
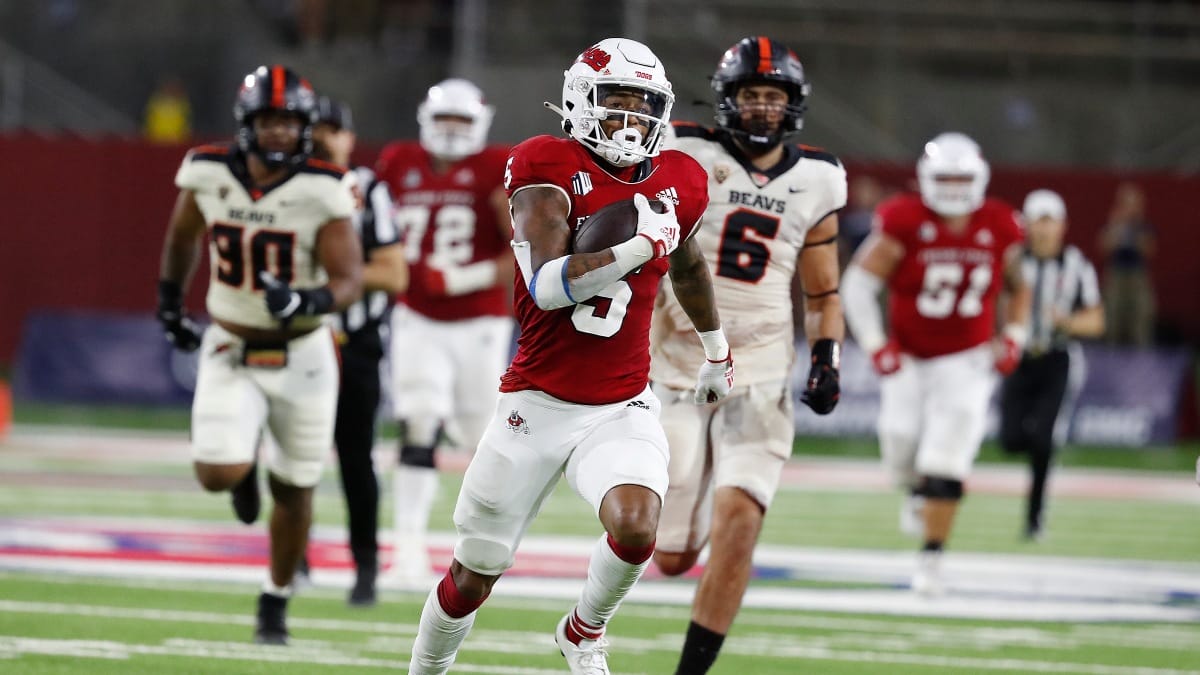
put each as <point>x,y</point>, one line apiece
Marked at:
<point>365,321</point>
<point>1061,285</point>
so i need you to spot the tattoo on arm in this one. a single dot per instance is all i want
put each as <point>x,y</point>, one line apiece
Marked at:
<point>580,264</point>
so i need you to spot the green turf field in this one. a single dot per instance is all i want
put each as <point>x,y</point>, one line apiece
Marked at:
<point>1180,457</point>
<point>72,623</point>
<point>58,626</point>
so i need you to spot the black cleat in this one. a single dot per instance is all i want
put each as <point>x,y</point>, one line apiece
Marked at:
<point>272,621</point>
<point>363,593</point>
<point>246,500</point>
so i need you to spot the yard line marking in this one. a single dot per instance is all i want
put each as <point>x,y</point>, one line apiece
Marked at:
<point>320,653</point>
<point>11,646</point>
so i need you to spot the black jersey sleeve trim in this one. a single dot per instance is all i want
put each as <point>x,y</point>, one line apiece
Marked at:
<point>693,130</point>
<point>820,154</point>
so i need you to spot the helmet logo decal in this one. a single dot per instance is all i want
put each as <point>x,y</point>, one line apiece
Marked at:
<point>596,58</point>
<point>644,76</point>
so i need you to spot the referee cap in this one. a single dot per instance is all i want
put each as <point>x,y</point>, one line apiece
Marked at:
<point>1043,203</point>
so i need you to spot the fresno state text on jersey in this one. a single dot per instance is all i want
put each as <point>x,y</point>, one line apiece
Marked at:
<point>446,219</point>
<point>942,296</point>
<point>599,350</point>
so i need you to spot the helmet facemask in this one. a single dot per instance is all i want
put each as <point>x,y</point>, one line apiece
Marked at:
<point>634,108</point>
<point>750,126</point>
<point>274,159</point>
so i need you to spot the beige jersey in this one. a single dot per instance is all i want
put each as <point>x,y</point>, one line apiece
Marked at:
<point>252,230</point>
<point>751,235</point>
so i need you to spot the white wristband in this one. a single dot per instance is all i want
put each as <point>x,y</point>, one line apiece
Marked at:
<point>632,254</point>
<point>1018,333</point>
<point>716,347</point>
<point>470,278</point>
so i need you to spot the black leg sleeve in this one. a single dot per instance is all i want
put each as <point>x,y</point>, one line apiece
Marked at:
<point>1016,407</point>
<point>355,437</point>
<point>1046,401</point>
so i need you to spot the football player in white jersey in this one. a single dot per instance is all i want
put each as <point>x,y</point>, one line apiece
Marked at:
<point>283,254</point>
<point>772,216</point>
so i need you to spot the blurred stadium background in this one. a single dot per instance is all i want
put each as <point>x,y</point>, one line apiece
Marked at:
<point>1076,95</point>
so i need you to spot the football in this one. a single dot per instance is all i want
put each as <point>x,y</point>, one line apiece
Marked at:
<point>609,226</point>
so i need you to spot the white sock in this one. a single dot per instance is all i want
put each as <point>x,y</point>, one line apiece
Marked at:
<point>414,490</point>
<point>438,638</point>
<point>609,580</point>
<point>270,588</point>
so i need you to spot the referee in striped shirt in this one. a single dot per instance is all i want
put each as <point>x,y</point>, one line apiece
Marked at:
<point>1037,399</point>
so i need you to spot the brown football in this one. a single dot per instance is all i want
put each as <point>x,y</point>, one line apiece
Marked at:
<point>608,226</point>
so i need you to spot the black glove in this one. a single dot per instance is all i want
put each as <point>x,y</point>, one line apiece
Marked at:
<point>284,303</point>
<point>822,391</point>
<point>180,330</point>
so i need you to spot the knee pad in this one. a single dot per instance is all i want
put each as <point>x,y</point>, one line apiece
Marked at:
<point>941,488</point>
<point>417,455</point>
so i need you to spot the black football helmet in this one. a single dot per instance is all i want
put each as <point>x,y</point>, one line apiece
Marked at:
<point>335,113</point>
<point>758,60</point>
<point>275,88</point>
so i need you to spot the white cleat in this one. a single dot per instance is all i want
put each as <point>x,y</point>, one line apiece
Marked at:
<point>927,581</point>
<point>586,658</point>
<point>912,516</point>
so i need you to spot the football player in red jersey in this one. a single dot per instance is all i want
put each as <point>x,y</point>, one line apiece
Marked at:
<point>575,400</point>
<point>452,330</point>
<point>944,256</point>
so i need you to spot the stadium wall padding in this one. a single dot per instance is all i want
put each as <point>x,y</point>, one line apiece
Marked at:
<point>84,223</point>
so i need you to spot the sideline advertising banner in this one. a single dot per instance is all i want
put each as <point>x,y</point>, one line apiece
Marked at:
<point>102,357</point>
<point>1112,407</point>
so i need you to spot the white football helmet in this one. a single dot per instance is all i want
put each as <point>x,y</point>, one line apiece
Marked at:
<point>616,64</point>
<point>451,140</point>
<point>952,175</point>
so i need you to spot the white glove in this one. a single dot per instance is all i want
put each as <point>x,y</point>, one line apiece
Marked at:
<point>714,380</point>
<point>662,229</point>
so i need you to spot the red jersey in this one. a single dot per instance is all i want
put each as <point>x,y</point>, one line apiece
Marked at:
<point>446,219</point>
<point>598,351</point>
<point>942,296</point>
